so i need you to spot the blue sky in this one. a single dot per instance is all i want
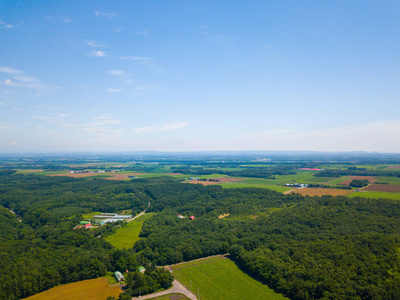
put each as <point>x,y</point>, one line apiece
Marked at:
<point>199,75</point>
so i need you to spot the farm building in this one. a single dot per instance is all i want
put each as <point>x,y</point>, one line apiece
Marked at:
<point>84,222</point>
<point>110,217</point>
<point>191,218</point>
<point>87,226</point>
<point>141,269</point>
<point>118,275</point>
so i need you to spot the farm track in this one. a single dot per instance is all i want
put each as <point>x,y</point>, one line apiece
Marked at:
<point>177,288</point>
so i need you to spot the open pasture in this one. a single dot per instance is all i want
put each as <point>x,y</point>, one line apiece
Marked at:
<point>221,279</point>
<point>125,237</point>
<point>234,185</point>
<point>321,192</point>
<point>93,289</point>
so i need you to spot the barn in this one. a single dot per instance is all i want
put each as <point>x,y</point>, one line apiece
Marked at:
<point>118,275</point>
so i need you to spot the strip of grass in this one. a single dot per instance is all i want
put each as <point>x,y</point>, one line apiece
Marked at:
<point>172,296</point>
<point>125,237</point>
<point>234,185</point>
<point>222,279</point>
<point>91,215</point>
<point>375,195</point>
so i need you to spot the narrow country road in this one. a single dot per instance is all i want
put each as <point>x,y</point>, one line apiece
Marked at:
<point>177,288</point>
<point>141,214</point>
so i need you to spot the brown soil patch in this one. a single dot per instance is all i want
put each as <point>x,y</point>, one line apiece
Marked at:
<point>393,168</point>
<point>371,179</point>
<point>383,188</point>
<point>321,191</point>
<point>220,180</point>
<point>223,215</point>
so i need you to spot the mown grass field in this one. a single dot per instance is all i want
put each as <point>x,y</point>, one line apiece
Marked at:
<point>375,195</point>
<point>93,289</point>
<point>221,279</point>
<point>389,180</point>
<point>234,185</point>
<point>125,237</point>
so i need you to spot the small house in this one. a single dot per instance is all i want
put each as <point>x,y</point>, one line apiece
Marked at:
<point>141,269</point>
<point>191,218</point>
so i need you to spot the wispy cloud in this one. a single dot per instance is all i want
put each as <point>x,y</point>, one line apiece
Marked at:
<point>144,32</point>
<point>93,44</point>
<point>116,72</point>
<point>19,79</point>
<point>99,53</point>
<point>164,128</point>
<point>6,126</point>
<point>135,58</point>
<point>100,13</point>
<point>114,90</point>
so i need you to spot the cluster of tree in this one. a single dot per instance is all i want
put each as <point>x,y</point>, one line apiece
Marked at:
<point>309,248</point>
<point>358,183</point>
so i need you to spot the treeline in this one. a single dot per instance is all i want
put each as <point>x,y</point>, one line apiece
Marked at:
<point>43,250</point>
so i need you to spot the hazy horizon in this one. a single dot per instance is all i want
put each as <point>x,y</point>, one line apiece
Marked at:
<point>191,76</point>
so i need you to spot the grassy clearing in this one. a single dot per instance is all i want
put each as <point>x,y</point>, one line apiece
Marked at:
<point>94,289</point>
<point>222,279</point>
<point>375,195</point>
<point>234,185</point>
<point>91,215</point>
<point>126,237</point>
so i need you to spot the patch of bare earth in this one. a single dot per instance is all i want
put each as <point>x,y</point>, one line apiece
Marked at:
<point>223,215</point>
<point>216,180</point>
<point>370,179</point>
<point>383,188</point>
<point>321,191</point>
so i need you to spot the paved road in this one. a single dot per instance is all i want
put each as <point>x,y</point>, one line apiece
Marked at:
<point>177,288</point>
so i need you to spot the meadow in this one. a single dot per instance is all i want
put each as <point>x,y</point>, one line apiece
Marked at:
<point>222,279</point>
<point>234,185</point>
<point>94,289</point>
<point>125,237</point>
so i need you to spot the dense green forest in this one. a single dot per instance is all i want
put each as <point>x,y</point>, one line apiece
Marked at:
<point>308,248</point>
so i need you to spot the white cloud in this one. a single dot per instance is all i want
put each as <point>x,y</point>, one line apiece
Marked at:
<point>6,126</point>
<point>114,90</point>
<point>100,13</point>
<point>93,44</point>
<point>116,72</point>
<point>145,32</point>
<point>99,53</point>
<point>168,127</point>
<point>67,20</point>
<point>12,143</point>
<point>9,70</point>
<point>21,80</point>
<point>135,58</point>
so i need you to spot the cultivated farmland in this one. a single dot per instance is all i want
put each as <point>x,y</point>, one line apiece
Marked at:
<point>219,278</point>
<point>94,289</point>
<point>125,237</point>
<point>321,191</point>
<point>383,188</point>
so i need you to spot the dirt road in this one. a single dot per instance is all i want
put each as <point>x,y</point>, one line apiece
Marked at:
<point>177,288</point>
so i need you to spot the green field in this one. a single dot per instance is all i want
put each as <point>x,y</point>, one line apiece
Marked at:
<point>222,279</point>
<point>125,237</point>
<point>375,195</point>
<point>234,185</point>
<point>389,180</point>
<point>90,215</point>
